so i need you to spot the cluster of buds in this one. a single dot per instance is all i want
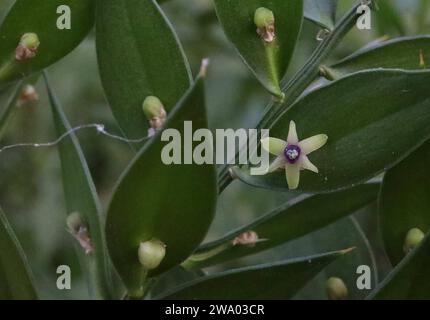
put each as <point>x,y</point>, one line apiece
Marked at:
<point>336,289</point>
<point>28,94</point>
<point>413,239</point>
<point>264,19</point>
<point>155,113</point>
<point>27,47</point>
<point>79,230</point>
<point>151,253</point>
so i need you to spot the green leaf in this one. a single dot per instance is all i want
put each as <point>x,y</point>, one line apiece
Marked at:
<point>344,233</point>
<point>12,93</point>
<point>404,202</point>
<point>412,53</point>
<point>388,18</point>
<point>15,276</point>
<point>172,203</point>
<point>322,12</point>
<point>139,55</point>
<point>81,196</point>
<point>269,281</point>
<point>290,221</point>
<point>364,116</point>
<point>409,279</point>
<point>268,62</point>
<point>40,17</point>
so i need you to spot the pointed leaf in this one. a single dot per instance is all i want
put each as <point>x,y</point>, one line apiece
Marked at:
<point>237,20</point>
<point>139,55</point>
<point>81,196</point>
<point>40,17</point>
<point>373,120</point>
<point>290,221</point>
<point>409,279</point>
<point>322,12</point>
<point>270,281</point>
<point>15,276</point>
<point>412,53</point>
<point>172,203</point>
<point>404,202</point>
<point>345,232</point>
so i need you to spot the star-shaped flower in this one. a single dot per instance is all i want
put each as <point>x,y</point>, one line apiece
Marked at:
<point>293,154</point>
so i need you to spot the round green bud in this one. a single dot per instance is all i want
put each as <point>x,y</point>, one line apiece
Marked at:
<point>152,107</point>
<point>263,17</point>
<point>413,239</point>
<point>336,289</point>
<point>74,221</point>
<point>151,253</point>
<point>30,41</point>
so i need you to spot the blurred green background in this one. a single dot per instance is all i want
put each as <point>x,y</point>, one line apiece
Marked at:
<point>30,179</point>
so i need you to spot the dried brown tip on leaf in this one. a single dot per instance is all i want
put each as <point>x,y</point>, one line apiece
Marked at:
<point>204,67</point>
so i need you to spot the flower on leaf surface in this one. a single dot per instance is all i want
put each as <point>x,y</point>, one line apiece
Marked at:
<point>292,155</point>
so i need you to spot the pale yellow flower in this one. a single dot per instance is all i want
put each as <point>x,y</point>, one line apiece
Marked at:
<point>292,155</point>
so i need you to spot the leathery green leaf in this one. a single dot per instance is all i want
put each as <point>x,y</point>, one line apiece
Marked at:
<point>404,202</point>
<point>409,279</point>
<point>172,203</point>
<point>345,232</point>
<point>268,61</point>
<point>81,197</point>
<point>139,55</point>
<point>15,276</point>
<point>322,12</point>
<point>373,120</point>
<point>279,280</point>
<point>290,221</point>
<point>40,17</point>
<point>410,53</point>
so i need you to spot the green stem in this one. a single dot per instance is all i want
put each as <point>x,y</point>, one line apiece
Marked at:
<point>193,261</point>
<point>298,83</point>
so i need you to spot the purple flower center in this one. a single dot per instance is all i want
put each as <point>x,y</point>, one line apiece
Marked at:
<point>292,153</point>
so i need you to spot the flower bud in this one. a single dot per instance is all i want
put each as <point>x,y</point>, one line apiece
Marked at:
<point>248,238</point>
<point>336,289</point>
<point>74,221</point>
<point>151,253</point>
<point>155,113</point>
<point>28,94</point>
<point>79,230</point>
<point>27,47</point>
<point>264,19</point>
<point>413,239</point>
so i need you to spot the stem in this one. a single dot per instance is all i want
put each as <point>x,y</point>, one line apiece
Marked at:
<point>298,83</point>
<point>193,261</point>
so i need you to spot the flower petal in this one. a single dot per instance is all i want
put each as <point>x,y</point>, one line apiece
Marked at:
<point>306,164</point>
<point>313,143</point>
<point>292,134</point>
<point>292,172</point>
<point>273,145</point>
<point>279,162</point>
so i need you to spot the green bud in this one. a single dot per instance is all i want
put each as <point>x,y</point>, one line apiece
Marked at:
<point>263,17</point>
<point>74,221</point>
<point>30,41</point>
<point>153,108</point>
<point>336,289</point>
<point>151,253</point>
<point>413,239</point>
